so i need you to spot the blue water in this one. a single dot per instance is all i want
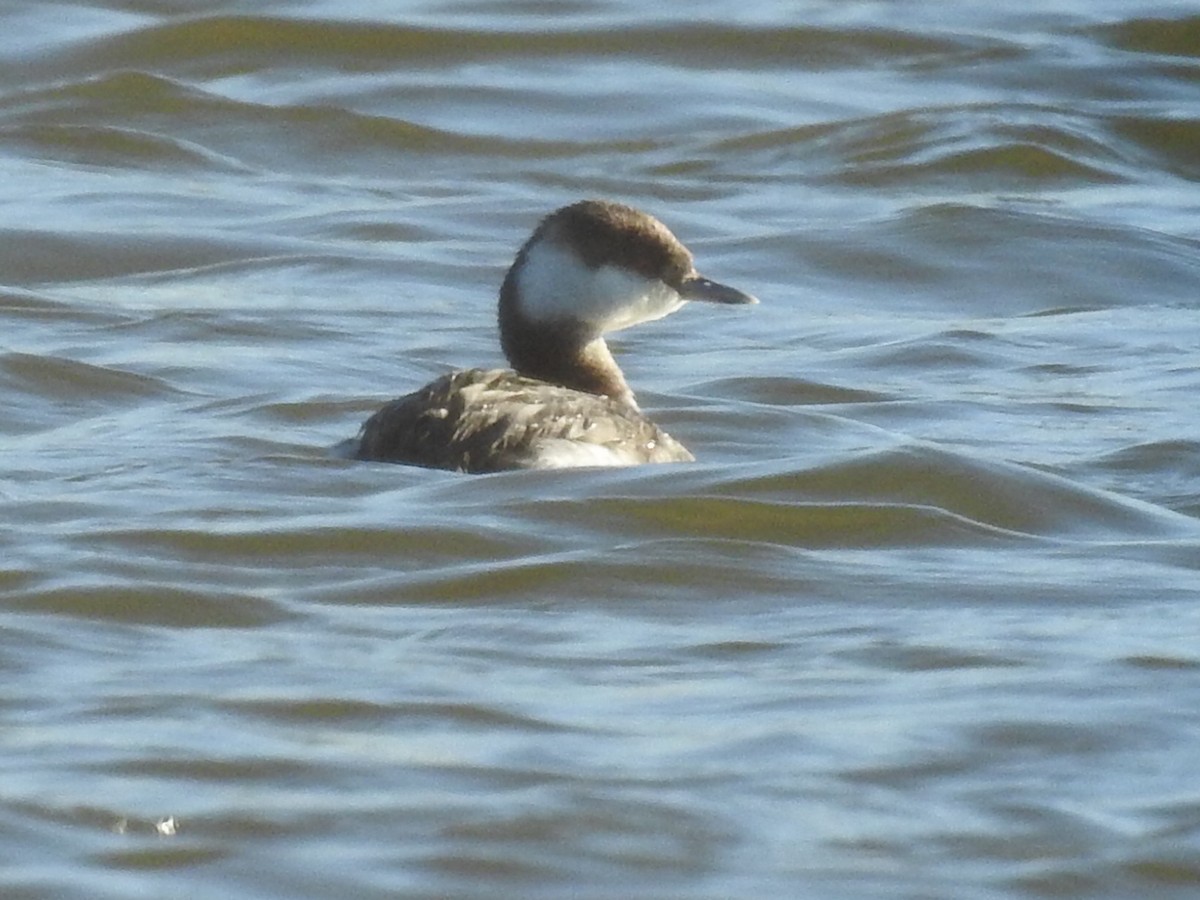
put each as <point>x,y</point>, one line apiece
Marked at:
<point>920,622</point>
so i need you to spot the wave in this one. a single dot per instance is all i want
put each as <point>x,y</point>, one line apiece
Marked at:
<point>222,44</point>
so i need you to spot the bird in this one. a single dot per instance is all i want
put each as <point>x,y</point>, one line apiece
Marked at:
<point>588,269</point>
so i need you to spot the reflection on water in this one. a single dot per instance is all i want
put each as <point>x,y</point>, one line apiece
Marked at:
<point>919,622</point>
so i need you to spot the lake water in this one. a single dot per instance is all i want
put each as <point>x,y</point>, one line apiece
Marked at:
<point>923,620</point>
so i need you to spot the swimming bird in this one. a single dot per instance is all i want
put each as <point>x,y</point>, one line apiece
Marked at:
<point>588,269</point>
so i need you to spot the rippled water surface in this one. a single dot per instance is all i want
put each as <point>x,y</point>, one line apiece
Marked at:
<point>922,622</point>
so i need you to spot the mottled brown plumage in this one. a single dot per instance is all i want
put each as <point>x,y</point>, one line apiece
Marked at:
<point>489,420</point>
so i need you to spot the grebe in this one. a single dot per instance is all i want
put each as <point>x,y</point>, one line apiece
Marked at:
<point>588,269</point>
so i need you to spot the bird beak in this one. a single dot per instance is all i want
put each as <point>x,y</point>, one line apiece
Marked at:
<point>697,287</point>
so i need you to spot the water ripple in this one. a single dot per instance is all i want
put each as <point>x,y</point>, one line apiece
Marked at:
<point>920,623</point>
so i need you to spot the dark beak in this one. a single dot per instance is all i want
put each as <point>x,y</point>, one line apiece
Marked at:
<point>697,287</point>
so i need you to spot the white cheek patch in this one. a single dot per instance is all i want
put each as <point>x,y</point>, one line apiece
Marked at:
<point>555,284</point>
<point>632,298</point>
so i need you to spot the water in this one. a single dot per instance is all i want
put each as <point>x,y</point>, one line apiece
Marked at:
<point>922,621</point>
